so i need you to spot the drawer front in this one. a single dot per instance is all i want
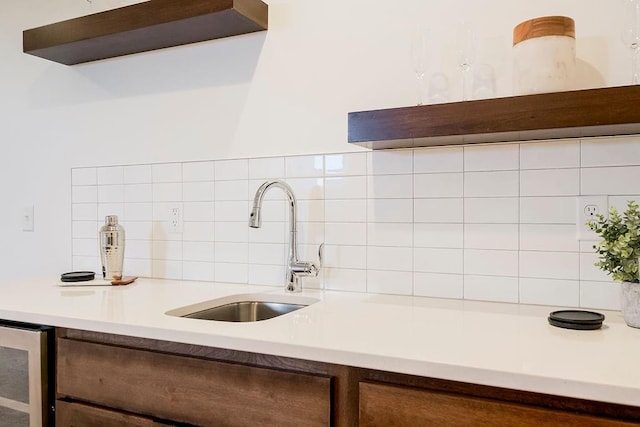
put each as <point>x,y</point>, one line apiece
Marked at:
<point>188,389</point>
<point>79,415</point>
<point>389,405</point>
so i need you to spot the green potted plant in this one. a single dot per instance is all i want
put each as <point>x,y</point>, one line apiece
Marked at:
<point>619,251</point>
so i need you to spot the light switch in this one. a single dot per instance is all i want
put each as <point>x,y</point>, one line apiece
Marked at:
<point>27,218</point>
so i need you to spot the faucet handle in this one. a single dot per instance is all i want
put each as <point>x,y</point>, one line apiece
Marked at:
<point>320,255</point>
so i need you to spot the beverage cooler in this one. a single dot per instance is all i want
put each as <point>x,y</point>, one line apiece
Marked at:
<point>26,375</point>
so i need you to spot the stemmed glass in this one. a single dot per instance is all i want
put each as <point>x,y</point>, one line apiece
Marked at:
<point>419,55</point>
<point>631,37</point>
<point>465,53</point>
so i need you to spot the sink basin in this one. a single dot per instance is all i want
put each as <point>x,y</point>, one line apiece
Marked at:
<point>244,307</point>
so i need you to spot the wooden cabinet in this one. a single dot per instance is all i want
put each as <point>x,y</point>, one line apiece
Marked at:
<point>154,24</point>
<point>391,405</point>
<point>188,389</point>
<point>582,113</point>
<point>106,380</point>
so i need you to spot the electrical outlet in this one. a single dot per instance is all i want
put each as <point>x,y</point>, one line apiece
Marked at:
<point>174,221</point>
<point>587,209</point>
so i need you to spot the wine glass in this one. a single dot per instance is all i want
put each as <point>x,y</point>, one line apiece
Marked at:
<point>465,53</point>
<point>419,53</point>
<point>631,37</point>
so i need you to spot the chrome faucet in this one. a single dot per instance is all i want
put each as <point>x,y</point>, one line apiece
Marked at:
<point>296,269</point>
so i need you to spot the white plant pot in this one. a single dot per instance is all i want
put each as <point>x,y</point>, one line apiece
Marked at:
<point>631,303</point>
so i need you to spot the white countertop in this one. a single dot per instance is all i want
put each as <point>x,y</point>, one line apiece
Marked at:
<point>504,345</point>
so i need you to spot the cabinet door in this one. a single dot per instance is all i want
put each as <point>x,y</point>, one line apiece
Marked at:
<point>70,414</point>
<point>390,405</point>
<point>189,389</point>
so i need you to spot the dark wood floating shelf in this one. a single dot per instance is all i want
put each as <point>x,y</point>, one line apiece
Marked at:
<point>142,27</point>
<point>582,113</point>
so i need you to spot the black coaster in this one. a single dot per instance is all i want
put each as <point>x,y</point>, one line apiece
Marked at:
<point>78,276</point>
<point>576,319</point>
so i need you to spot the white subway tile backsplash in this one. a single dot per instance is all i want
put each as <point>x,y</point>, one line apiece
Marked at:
<point>611,181</point>
<point>346,210</point>
<point>198,171</point>
<point>548,237</point>
<point>167,192</point>
<point>550,154</point>
<point>227,231</point>
<point>438,159</point>
<point>620,202</point>
<point>138,211</point>
<point>195,270</point>
<point>491,184</point>
<point>491,288</point>
<point>491,222</point>
<point>307,188</point>
<point>351,187</point>
<point>110,193</point>
<point>390,187</point>
<point>137,174</point>
<point>491,157</point>
<point>166,172</point>
<point>547,210</point>
<point>491,210</point>
<point>344,233</point>
<point>84,212</point>
<point>343,256</point>
<point>389,258</point>
<point>490,262</point>
<point>550,265</point>
<point>198,191</point>
<point>491,236</point>
<point>266,168</point>
<point>198,211</point>
<point>198,251</point>
<point>550,182</point>
<point>600,295</point>
<point>438,210</point>
<point>390,282</point>
<point>304,166</point>
<point>87,263</point>
<point>438,235</point>
<point>390,210</point>
<point>135,193</point>
<point>564,293</point>
<point>619,151</point>
<point>429,260</point>
<point>390,234</point>
<point>84,176</point>
<point>197,231</point>
<point>110,175</point>
<point>231,190</point>
<point>345,164</point>
<point>343,279</point>
<point>438,185</point>
<point>84,194</point>
<point>438,285</point>
<point>231,169</point>
<point>167,250</point>
<point>390,162</point>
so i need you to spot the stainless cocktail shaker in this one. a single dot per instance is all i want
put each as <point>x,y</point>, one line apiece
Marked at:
<point>112,248</point>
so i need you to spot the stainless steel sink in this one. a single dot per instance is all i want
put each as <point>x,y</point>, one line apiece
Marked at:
<point>244,308</point>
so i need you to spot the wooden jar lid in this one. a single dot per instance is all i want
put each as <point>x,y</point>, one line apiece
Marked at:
<point>544,26</point>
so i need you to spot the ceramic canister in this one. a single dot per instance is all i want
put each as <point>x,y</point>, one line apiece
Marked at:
<point>544,55</point>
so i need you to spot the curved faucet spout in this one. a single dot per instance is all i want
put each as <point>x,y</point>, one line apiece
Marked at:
<point>295,268</point>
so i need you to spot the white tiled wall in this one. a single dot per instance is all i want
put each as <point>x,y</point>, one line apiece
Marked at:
<point>487,222</point>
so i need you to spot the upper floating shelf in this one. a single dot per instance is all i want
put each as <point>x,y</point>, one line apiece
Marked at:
<point>582,113</point>
<point>141,27</point>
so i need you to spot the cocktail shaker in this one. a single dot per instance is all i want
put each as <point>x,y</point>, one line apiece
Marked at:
<point>111,248</point>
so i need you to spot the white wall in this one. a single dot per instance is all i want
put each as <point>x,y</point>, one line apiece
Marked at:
<point>282,92</point>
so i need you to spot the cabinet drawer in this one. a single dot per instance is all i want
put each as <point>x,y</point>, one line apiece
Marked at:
<point>389,405</point>
<point>79,415</point>
<point>189,389</point>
